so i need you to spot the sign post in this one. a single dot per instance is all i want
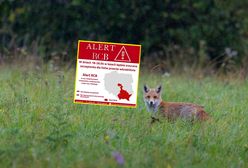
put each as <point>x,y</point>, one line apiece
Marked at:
<point>107,73</point>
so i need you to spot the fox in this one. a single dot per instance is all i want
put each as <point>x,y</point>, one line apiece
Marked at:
<point>171,110</point>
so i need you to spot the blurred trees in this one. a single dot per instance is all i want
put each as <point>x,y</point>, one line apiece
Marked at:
<point>56,25</point>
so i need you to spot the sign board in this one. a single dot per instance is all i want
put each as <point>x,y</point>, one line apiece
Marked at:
<point>107,73</point>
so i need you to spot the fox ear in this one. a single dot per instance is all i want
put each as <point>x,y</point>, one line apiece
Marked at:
<point>146,88</point>
<point>159,88</point>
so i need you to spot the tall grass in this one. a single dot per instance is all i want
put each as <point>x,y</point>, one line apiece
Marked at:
<point>41,127</point>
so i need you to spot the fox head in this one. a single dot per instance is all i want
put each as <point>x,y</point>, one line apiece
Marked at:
<point>152,98</point>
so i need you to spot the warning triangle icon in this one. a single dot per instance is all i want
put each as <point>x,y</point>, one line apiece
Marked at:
<point>123,55</point>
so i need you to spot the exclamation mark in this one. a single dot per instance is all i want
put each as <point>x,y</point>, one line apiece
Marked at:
<point>122,55</point>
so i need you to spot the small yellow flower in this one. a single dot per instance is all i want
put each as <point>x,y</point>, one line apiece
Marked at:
<point>106,138</point>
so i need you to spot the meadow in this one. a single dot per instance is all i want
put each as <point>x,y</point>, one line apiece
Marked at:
<point>40,126</point>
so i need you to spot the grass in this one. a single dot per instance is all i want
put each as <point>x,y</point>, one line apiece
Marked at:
<point>41,127</point>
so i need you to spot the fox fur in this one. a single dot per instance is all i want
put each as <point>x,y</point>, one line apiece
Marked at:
<point>171,110</point>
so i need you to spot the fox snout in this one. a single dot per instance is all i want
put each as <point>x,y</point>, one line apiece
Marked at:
<point>151,103</point>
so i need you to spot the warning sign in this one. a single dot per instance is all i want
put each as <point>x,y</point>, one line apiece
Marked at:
<point>123,55</point>
<point>107,73</point>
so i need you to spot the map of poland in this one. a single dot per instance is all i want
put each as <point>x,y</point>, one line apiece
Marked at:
<point>115,83</point>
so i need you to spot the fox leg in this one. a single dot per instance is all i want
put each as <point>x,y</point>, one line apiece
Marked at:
<point>154,118</point>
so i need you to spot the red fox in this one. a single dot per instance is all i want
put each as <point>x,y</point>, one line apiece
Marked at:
<point>171,110</point>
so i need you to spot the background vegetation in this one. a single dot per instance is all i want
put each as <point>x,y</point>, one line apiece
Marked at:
<point>202,31</point>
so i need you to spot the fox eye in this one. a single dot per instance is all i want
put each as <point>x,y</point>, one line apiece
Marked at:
<point>148,97</point>
<point>155,97</point>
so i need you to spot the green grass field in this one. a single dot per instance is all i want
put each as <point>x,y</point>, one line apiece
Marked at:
<point>41,127</point>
